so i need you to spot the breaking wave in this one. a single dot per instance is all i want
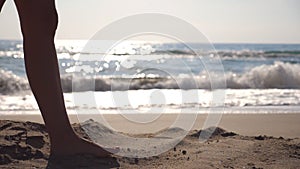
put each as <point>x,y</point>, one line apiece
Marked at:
<point>11,83</point>
<point>278,75</point>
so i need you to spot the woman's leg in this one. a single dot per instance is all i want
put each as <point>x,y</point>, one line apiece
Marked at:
<point>39,22</point>
<point>1,4</point>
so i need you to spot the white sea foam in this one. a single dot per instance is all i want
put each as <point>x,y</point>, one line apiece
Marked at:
<point>278,75</point>
<point>164,101</point>
<point>11,83</point>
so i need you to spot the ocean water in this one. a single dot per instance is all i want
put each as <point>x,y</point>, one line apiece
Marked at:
<point>154,77</point>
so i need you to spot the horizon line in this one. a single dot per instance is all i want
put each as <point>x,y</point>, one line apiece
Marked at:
<point>213,42</point>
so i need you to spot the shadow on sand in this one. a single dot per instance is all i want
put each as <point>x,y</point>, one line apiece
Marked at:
<point>81,162</point>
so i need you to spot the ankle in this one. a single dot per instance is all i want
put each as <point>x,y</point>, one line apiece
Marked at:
<point>63,139</point>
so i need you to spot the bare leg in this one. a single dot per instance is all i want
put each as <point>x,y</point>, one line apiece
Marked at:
<point>1,4</point>
<point>39,22</point>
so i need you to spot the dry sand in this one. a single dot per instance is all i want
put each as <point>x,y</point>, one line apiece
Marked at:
<point>241,145</point>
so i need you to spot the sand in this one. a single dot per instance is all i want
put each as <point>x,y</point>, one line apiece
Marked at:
<point>278,125</point>
<point>238,142</point>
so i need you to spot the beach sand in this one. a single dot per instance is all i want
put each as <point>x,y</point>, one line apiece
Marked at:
<point>240,141</point>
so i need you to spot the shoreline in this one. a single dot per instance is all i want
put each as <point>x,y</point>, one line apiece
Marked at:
<point>276,125</point>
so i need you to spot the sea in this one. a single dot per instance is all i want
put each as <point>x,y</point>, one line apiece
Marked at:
<point>161,77</point>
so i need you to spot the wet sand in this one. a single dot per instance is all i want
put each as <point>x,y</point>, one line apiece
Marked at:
<point>285,125</point>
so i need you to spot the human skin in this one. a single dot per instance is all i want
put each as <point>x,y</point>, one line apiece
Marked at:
<point>39,19</point>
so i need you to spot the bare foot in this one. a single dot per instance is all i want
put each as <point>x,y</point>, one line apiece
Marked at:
<point>79,146</point>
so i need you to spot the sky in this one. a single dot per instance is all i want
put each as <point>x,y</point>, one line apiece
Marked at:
<point>221,21</point>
